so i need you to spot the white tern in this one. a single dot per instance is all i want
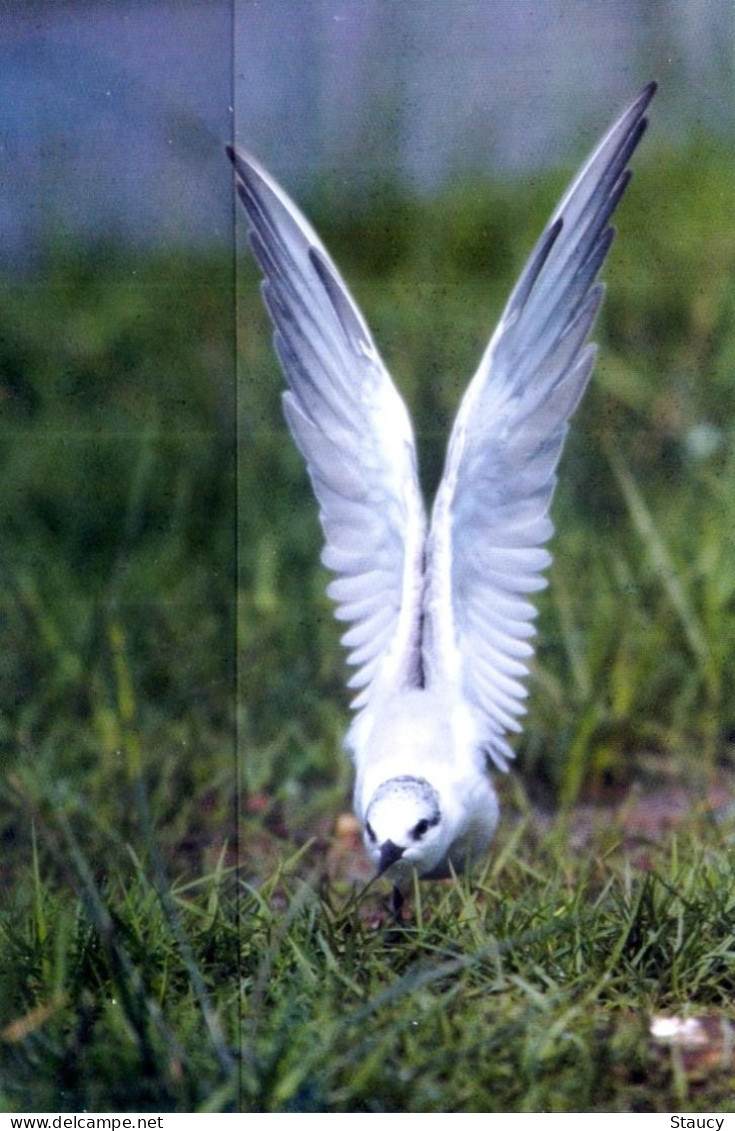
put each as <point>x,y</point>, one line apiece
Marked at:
<point>439,614</point>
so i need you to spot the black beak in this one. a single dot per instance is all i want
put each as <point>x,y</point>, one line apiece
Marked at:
<point>389,853</point>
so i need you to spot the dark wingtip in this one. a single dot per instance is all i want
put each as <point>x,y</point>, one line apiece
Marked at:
<point>647,94</point>
<point>230,151</point>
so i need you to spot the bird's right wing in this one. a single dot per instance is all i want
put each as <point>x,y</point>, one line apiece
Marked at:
<point>354,432</point>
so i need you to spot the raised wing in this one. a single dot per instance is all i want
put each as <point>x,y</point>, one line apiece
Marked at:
<point>354,432</point>
<point>491,515</point>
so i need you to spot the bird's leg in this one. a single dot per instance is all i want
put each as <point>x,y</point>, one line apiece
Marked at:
<point>396,904</point>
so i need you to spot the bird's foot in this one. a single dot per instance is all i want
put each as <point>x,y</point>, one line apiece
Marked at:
<point>396,905</point>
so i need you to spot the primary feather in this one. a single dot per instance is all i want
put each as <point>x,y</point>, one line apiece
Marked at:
<point>440,622</point>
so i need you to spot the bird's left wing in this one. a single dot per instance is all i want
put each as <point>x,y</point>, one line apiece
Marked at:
<point>491,516</point>
<point>354,432</point>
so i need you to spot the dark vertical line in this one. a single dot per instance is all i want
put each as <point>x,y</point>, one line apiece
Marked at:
<point>236,604</point>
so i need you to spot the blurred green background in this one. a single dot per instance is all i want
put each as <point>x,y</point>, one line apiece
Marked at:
<point>126,495</point>
<point>171,683</point>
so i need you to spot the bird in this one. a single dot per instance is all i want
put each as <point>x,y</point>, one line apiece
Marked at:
<point>439,613</point>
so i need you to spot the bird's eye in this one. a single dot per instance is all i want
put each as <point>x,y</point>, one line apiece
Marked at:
<point>421,829</point>
<point>369,831</point>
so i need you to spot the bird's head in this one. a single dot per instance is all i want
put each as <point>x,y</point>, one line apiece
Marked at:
<point>403,828</point>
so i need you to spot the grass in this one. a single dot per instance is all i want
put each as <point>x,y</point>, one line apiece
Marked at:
<point>530,988</point>
<point>540,1001</point>
<point>172,942</point>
